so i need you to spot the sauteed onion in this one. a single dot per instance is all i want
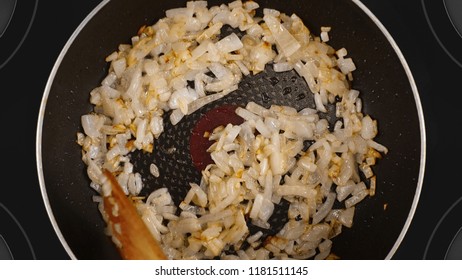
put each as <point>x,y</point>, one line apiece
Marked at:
<point>181,63</point>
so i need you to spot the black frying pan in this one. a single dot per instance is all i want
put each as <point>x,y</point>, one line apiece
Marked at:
<point>382,76</point>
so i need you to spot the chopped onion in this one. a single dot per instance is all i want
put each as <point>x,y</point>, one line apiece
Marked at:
<point>182,63</point>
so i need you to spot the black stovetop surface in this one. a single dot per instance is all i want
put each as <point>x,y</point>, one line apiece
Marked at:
<point>28,54</point>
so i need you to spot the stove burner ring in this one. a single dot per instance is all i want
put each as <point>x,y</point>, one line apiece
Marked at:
<point>454,12</point>
<point>14,241</point>
<point>5,252</point>
<point>444,19</point>
<point>7,8</point>
<point>454,251</point>
<point>16,19</point>
<point>445,242</point>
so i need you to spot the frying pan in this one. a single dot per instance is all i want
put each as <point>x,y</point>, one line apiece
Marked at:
<point>383,77</point>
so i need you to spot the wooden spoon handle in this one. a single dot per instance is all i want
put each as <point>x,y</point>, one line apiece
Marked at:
<point>130,234</point>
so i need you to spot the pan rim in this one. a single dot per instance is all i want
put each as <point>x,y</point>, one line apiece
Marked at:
<point>420,114</point>
<point>365,9</point>
<point>40,124</point>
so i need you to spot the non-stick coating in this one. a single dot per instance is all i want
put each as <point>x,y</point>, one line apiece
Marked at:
<point>386,91</point>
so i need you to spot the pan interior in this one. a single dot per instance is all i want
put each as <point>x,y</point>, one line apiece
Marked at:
<point>172,152</point>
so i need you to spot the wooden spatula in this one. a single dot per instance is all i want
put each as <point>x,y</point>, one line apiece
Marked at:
<point>130,234</point>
